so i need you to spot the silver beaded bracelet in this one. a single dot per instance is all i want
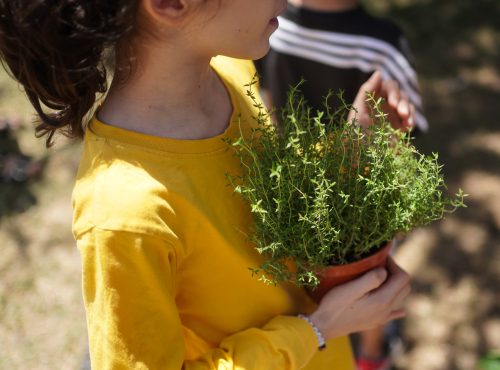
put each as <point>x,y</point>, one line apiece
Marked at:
<point>321,339</point>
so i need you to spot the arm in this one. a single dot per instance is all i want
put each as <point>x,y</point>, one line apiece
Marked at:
<point>129,283</point>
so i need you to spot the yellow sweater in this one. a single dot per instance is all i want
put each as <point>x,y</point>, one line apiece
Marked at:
<point>166,278</point>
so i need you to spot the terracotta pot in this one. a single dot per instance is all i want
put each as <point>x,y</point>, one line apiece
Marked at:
<point>333,276</point>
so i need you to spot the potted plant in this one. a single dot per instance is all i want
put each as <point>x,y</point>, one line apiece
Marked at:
<point>327,194</point>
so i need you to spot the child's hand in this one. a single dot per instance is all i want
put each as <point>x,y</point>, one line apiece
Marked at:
<point>365,303</point>
<point>400,112</point>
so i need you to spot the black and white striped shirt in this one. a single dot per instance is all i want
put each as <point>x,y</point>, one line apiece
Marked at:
<point>333,51</point>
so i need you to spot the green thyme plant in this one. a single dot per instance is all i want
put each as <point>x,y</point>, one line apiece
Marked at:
<point>324,191</point>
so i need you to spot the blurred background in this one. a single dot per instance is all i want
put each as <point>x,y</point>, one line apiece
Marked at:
<point>454,312</point>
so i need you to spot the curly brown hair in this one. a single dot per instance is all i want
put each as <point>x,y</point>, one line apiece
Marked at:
<point>55,49</point>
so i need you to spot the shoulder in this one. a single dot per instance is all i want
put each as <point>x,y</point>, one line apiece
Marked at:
<point>114,193</point>
<point>386,31</point>
<point>356,23</point>
<point>377,27</point>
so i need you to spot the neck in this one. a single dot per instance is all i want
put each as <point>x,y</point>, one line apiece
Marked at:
<point>326,5</point>
<point>172,94</point>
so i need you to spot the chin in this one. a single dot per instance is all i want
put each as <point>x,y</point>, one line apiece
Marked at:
<point>263,53</point>
<point>257,53</point>
<point>254,53</point>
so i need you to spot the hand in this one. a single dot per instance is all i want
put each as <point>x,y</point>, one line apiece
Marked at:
<point>400,112</point>
<point>365,303</point>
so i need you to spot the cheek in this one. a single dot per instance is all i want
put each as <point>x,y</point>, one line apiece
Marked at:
<point>243,31</point>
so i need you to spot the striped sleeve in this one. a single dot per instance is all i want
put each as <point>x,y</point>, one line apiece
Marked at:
<point>342,50</point>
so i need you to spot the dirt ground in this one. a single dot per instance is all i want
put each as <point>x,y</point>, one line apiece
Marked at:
<point>454,312</point>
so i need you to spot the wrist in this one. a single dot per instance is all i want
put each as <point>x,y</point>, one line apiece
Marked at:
<point>317,331</point>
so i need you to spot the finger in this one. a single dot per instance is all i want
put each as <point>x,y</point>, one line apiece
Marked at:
<point>364,120</point>
<point>408,123</point>
<point>373,84</point>
<point>396,282</point>
<point>393,118</point>
<point>401,296</point>
<point>397,314</point>
<point>368,282</point>
<point>411,118</point>
<point>403,107</point>
<point>390,89</point>
<point>359,287</point>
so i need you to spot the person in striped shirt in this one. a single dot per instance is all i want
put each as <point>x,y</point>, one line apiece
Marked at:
<point>336,45</point>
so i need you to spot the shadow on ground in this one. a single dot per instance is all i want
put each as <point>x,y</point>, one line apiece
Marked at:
<point>456,47</point>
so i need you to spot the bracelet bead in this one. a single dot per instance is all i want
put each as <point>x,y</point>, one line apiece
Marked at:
<point>319,335</point>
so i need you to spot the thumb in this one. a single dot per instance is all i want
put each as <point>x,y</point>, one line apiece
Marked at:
<point>373,84</point>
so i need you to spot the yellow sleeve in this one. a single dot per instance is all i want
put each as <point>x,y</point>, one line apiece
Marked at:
<point>129,284</point>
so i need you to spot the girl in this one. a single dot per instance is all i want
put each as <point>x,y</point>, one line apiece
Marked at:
<point>165,260</point>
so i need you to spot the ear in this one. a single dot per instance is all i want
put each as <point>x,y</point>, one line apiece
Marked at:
<point>170,11</point>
